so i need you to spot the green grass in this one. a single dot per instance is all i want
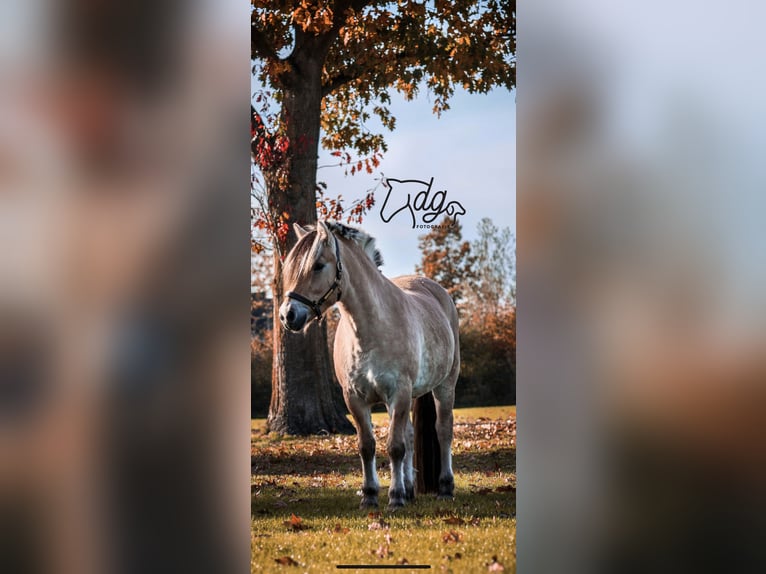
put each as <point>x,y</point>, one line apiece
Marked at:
<point>316,479</point>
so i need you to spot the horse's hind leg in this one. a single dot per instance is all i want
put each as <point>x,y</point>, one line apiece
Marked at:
<point>397,449</point>
<point>444,397</point>
<point>409,444</point>
<point>370,485</point>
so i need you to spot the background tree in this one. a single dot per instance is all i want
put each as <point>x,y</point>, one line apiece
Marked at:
<point>446,257</point>
<point>331,66</point>
<point>491,284</point>
<point>482,274</point>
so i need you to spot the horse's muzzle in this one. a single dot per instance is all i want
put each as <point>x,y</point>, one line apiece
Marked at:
<point>293,315</point>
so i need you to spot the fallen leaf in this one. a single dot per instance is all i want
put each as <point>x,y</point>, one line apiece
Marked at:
<point>506,488</point>
<point>340,530</point>
<point>379,524</point>
<point>402,561</point>
<point>383,551</point>
<point>295,523</point>
<point>286,561</point>
<point>454,520</point>
<point>452,536</point>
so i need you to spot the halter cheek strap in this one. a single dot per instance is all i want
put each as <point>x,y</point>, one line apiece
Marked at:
<point>316,306</point>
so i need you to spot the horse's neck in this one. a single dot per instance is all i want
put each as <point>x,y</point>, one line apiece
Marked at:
<point>369,298</point>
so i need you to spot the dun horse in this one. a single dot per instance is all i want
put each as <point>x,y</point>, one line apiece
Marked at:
<point>397,342</point>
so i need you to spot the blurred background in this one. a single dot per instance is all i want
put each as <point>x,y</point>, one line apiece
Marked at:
<point>123,287</point>
<point>641,282</point>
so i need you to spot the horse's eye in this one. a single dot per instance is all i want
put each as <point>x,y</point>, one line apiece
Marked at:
<point>318,267</point>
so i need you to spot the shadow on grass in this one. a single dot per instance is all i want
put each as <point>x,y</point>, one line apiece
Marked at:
<point>339,503</point>
<point>305,464</point>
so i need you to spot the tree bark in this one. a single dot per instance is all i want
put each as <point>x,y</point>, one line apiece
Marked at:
<point>305,398</point>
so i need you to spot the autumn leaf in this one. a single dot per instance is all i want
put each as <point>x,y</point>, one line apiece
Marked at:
<point>286,561</point>
<point>383,551</point>
<point>402,561</point>
<point>379,524</point>
<point>452,536</point>
<point>295,523</point>
<point>454,520</point>
<point>340,530</point>
<point>506,488</point>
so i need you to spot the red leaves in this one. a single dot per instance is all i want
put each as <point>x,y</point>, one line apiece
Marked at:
<point>335,208</point>
<point>452,536</point>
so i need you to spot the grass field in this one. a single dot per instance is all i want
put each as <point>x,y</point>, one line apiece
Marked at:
<point>306,516</point>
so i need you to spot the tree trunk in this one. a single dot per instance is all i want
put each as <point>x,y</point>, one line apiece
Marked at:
<point>305,398</point>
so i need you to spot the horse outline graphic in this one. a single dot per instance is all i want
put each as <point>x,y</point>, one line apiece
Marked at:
<point>423,201</point>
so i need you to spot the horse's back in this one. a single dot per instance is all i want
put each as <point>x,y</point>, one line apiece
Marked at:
<point>440,347</point>
<point>428,291</point>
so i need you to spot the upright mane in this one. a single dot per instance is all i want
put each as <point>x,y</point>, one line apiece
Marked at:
<point>361,238</point>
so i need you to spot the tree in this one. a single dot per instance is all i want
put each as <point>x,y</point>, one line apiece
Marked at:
<point>492,281</point>
<point>330,65</point>
<point>446,257</point>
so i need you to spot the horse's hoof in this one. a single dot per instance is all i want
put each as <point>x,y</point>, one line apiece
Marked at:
<point>410,494</point>
<point>446,488</point>
<point>368,503</point>
<point>396,504</point>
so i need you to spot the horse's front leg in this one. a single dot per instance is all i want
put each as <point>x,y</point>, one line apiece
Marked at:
<point>370,485</point>
<point>397,450</point>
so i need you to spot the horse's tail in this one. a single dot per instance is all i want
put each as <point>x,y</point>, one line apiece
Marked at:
<point>427,458</point>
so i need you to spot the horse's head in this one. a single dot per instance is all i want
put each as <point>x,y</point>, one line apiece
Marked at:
<point>311,276</point>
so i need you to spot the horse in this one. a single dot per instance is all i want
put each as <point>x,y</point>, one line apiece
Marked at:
<point>396,343</point>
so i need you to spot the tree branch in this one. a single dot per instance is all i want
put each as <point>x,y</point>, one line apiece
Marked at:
<point>350,74</point>
<point>260,45</point>
<point>339,81</point>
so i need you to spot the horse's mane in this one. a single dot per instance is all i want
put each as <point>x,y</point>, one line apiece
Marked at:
<point>361,238</point>
<point>303,250</point>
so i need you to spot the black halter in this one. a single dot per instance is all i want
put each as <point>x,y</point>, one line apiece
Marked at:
<point>316,306</point>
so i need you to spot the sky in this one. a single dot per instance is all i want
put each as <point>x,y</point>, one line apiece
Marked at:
<point>470,152</point>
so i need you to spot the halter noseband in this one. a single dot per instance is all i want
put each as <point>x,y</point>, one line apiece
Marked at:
<point>316,306</point>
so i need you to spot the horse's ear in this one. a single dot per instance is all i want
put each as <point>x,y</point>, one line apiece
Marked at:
<point>323,232</point>
<point>299,231</point>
